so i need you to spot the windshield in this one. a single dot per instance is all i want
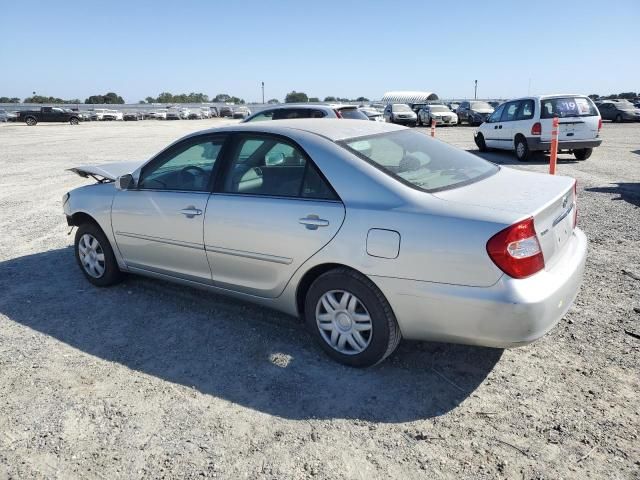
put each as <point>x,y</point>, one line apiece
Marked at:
<point>439,108</point>
<point>568,107</point>
<point>401,108</point>
<point>480,106</point>
<point>419,161</point>
<point>353,114</point>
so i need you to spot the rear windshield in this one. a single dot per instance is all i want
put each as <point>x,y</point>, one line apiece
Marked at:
<point>353,114</point>
<point>419,161</point>
<point>568,107</point>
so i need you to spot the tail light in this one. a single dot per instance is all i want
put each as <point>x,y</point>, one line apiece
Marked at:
<point>338,114</point>
<point>575,203</point>
<point>599,124</point>
<point>536,129</point>
<point>516,250</point>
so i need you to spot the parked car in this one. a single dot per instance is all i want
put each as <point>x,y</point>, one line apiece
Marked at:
<point>133,116</point>
<point>83,115</point>
<point>453,106</point>
<point>372,114</point>
<point>195,115</point>
<point>619,111</point>
<point>205,112</point>
<point>48,114</point>
<point>401,114</point>
<point>494,103</point>
<point>440,113</point>
<point>226,111</point>
<point>4,116</point>
<point>97,114</point>
<point>291,111</point>
<point>524,125</point>
<point>173,114</point>
<point>369,232</point>
<point>473,112</point>
<point>112,115</point>
<point>241,112</point>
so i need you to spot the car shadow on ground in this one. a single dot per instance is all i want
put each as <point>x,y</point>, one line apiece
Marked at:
<point>504,157</point>
<point>232,350</point>
<point>629,192</point>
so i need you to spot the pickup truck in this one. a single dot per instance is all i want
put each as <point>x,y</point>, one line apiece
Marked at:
<point>49,114</point>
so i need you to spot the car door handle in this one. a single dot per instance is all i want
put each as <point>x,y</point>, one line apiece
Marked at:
<point>495,127</point>
<point>191,212</point>
<point>312,222</point>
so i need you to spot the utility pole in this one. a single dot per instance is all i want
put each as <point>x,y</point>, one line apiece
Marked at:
<point>475,91</point>
<point>262,92</point>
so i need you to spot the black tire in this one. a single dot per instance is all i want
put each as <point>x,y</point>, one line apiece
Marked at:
<point>480,143</point>
<point>583,153</point>
<point>74,121</point>
<point>111,274</point>
<point>31,121</point>
<point>523,154</point>
<point>419,121</point>
<point>384,334</point>
<point>618,119</point>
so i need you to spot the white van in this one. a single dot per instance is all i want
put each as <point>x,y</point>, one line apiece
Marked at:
<point>524,126</point>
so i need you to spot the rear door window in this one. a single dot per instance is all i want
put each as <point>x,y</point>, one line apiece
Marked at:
<point>568,107</point>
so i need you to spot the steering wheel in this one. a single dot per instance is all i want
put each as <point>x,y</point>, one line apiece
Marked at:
<point>199,172</point>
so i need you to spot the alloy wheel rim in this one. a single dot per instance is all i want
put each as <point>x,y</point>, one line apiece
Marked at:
<point>91,255</point>
<point>520,149</point>
<point>344,322</point>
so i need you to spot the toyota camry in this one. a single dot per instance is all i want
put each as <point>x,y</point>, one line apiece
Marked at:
<point>368,232</point>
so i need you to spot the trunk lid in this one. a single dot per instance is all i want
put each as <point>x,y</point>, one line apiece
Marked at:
<point>106,171</point>
<point>549,199</point>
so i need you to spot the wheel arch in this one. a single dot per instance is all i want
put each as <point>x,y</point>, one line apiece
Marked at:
<point>309,277</point>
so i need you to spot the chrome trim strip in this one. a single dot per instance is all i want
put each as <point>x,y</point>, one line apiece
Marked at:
<point>196,246</point>
<point>563,216</point>
<point>252,255</point>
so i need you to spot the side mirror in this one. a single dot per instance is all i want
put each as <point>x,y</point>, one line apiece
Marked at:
<point>124,182</point>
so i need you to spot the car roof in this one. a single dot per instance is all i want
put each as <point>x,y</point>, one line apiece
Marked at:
<point>334,129</point>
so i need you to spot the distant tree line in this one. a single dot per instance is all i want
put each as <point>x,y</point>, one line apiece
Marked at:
<point>166,97</point>
<point>9,100</point>
<point>110,98</point>
<point>627,95</point>
<point>301,97</point>
<point>43,99</point>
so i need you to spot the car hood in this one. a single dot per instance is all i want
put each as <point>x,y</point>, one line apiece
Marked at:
<point>107,171</point>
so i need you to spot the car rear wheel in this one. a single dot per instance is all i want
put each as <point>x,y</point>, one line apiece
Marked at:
<point>479,139</point>
<point>522,149</point>
<point>74,121</point>
<point>95,256</point>
<point>31,121</point>
<point>350,318</point>
<point>583,153</point>
<point>618,118</point>
<point>419,121</point>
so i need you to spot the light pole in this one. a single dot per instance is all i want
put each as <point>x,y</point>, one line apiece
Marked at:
<point>262,92</point>
<point>475,90</point>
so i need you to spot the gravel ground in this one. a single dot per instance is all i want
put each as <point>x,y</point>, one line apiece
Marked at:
<point>152,380</point>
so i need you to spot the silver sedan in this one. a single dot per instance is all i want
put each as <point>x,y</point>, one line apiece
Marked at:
<point>369,232</point>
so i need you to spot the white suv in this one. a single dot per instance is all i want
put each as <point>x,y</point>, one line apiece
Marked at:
<point>524,125</point>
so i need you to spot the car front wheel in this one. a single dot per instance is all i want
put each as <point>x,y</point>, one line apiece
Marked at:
<point>480,143</point>
<point>351,319</point>
<point>95,256</point>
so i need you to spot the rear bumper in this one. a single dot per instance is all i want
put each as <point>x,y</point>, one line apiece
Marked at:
<point>536,144</point>
<point>508,314</point>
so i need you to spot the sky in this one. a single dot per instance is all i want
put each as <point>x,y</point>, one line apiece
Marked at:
<point>325,47</point>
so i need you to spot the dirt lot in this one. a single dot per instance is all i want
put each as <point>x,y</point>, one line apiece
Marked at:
<point>153,380</point>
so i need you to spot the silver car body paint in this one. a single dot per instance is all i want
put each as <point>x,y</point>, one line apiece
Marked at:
<point>441,285</point>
